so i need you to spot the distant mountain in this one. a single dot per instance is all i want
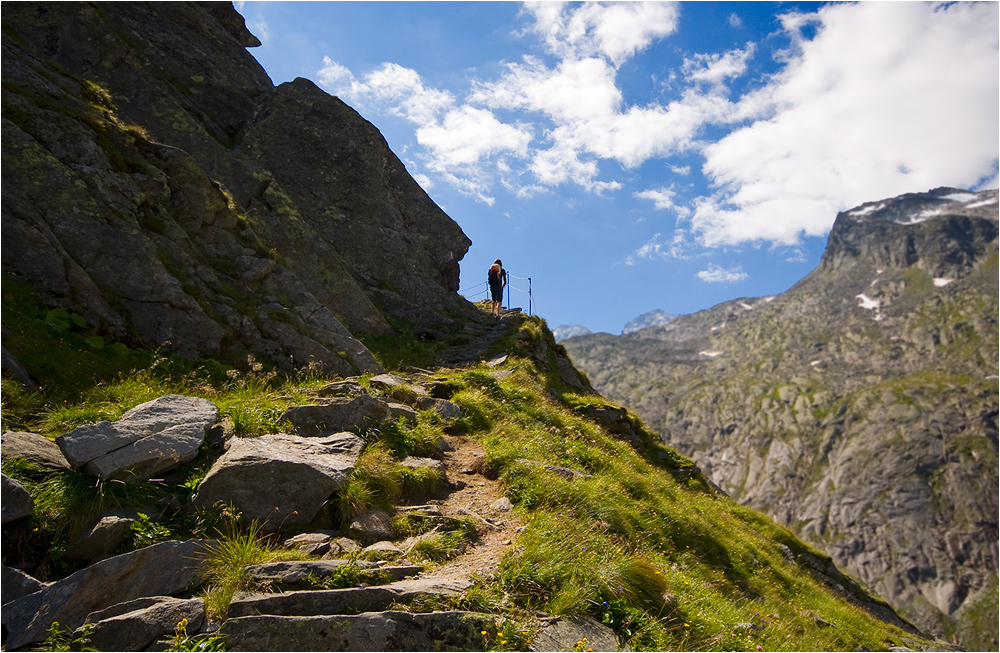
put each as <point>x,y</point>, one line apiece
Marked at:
<point>569,331</point>
<point>656,317</point>
<point>859,408</point>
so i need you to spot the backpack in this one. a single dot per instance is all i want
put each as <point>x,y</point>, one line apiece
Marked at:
<point>494,276</point>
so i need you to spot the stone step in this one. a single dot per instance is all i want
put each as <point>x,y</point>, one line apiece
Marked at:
<point>372,631</point>
<point>307,574</point>
<point>342,601</point>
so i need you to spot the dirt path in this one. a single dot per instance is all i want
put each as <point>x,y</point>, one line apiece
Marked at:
<point>497,529</point>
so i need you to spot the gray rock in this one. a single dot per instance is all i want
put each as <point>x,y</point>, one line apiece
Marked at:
<point>385,631</point>
<point>137,628</point>
<point>34,447</point>
<point>384,547</point>
<point>446,409</point>
<point>372,527</point>
<point>416,462</point>
<point>151,438</point>
<point>387,382</point>
<point>291,573</point>
<point>352,599</point>
<point>402,411</point>
<point>280,480</point>
<point>336,388</point>
<point>161,569</point>
<point>565,633</point>
<point>503,504</point>
<point>16,502</point>
<point>99,538</point>
<point>16,583</point>
<point>339,415</point>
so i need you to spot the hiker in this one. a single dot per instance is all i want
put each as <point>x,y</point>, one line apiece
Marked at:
<point>497,279</point>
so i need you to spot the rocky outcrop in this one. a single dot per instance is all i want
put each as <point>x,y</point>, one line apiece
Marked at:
<point>162,569</point>
<point>859,408</point>
<point>148,188</point>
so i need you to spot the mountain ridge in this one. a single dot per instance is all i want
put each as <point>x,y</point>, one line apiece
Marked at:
<point>789,401</point>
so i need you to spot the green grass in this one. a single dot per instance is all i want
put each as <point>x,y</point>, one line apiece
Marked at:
<point>635,539</point>
<point>228,559</point>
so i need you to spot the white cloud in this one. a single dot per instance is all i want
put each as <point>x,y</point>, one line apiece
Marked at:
<point>716,274</point>
<point>717,68</point>
<point>663,199</point>
<point>886,98</point>
<point>466,135</point>
<point>615,30</point>
<point>735,21</point>
<point>676,246</point>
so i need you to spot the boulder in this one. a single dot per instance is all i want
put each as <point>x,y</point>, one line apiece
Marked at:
<point>351,599</point>
<point>567,633</point>
<point>402,411</point>
<point>280,480</point>
<point>446,409</point>
<point>16,583</point>
<point>380,631</point>
<point>339,414</point>
<point>149,439</point>
<point>34,447</point>
<point>387,382</point>
<point>16,502</point>
<point>100,538</point>
<point>135,625</point>
<point>372,527</point>
<point>161,569</point>
<point>383,549</point>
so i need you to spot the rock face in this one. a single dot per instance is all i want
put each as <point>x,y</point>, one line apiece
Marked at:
<point>859,408</point>
<point>149,186</point>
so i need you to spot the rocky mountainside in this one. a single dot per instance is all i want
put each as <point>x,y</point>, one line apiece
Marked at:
<point>656,317</point>
<point>859,408</point>
<point>159,186</point>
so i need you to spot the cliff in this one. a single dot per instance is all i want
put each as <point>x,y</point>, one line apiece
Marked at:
<point>160,187</point>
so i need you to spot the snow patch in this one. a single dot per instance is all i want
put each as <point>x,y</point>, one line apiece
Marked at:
<point>746,306</point>
<point>976,205</point>
<point>961,197</point>
<point>815,363</point>
<point>868,303</point>
<point>770,299</point>
<point>865,210</point>
<point>710,354</point>
<point>719,326</point>
<point>941,282</point>
<point>923,216</point>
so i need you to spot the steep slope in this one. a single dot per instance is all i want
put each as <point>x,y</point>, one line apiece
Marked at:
<point>157,184</point>
<point>859,408</point>
<point>601,537</point>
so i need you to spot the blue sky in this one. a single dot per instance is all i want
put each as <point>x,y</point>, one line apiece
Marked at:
<point>628,157</point>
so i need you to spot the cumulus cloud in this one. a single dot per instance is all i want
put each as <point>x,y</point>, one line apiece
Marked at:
<point>717,274</point>
<point>869,100</point>
<point>884,98</point>
<point>614,30</point>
